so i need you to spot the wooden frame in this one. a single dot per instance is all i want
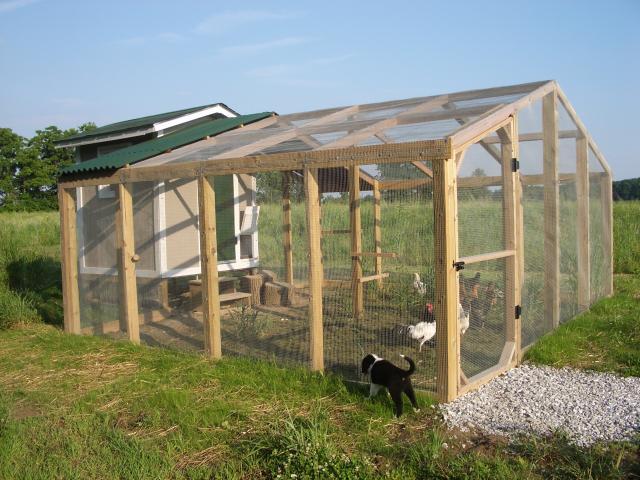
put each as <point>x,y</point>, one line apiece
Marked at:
<point>312,194</point>
<point>357,291</point>
<point>492,127</point>
<point>127,259</point>
<point>209,268</point>
<point>551,211</point>
<point>69,260</point>
<point>583,230</point>
<point>446,298</point>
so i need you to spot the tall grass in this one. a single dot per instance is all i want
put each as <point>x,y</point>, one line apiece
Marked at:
<point>626,237</point>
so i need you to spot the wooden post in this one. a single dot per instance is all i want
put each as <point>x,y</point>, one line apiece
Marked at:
<point>287,241</point>
<point>582,195</point>
<point>446,295</point>
<point>607,234</point>
<point>377,229</point>
<point>312,197</point>
<point>357,290</point>
<point>551,211</point>
<point>69,260</point>
<point>126,264</point>
<point>510,181</point>
<point>209,268</point>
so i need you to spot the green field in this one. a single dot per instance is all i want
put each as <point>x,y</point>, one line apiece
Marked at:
<point>88,407</point>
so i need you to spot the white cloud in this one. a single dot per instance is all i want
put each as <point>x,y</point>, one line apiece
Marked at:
<point>304,74</point>
<point>253,48</point>
<point>12,5</point>
<point>229,21</point>
<point>166,37</point>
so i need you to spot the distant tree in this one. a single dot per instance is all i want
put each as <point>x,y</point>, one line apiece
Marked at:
<point>269,187</point>
<point>29,169</point>
<point>628,189</point>
<point>11,146</point>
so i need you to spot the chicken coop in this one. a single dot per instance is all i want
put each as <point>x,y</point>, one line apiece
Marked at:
<point>456,229</point>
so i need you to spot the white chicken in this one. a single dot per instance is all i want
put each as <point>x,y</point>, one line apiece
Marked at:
<point>426,330</point>
<point>419,285</point>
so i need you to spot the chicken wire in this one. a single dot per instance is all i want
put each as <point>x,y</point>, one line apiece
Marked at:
<point>481,286</point>
<point>397,309</point>
<point>599,265</point>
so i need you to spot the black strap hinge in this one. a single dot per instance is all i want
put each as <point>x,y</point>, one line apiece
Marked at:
<point>518,311</point>
<point>458,266</point>
<point>515,165</point>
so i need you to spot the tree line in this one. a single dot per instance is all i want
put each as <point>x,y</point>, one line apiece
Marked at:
<point>29,167</point>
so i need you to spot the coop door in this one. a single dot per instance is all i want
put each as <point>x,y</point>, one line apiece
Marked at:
<point>487,256</point>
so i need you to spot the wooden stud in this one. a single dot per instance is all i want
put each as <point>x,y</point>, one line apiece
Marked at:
<point>287,234</point>
<point>607,225</point>
<point>485,257</point>
<point>582,237</point>
<point>512,286</point>
<point>377,228</point>
<point>423,150</point>
<point>312,197</point>
<point>551,211</point>
<point>125,244</point>
<point>69,260</point>
<point>446,294</point>
<point>209,268</point>
<point>357,290</point>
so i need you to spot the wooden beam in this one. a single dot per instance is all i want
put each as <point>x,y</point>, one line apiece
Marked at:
<point>509,213</point>
<point>582,237</point>
<point>551,212</point>
<point>576,119</point>
<point>423,150</point>
<point>357,291</point>
<point>404,184</point>
<point>377,228</point>
<point>371,278</point>
<point>369,131</point>
<point>423,168</point>
<point>607,225</point>
<point>519,229</point>
<point>285,135</point>
<point>492,120</point>
<point>287,234</point>
<point>69,260</point>
<point>209,268</point>
<point>312,197</point>
<point>375,254</point>
<point>446,294</point>
<point>125,244</point>
<point>485,257</point>
<point>534,137</point>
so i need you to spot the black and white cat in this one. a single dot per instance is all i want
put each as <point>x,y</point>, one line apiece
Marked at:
<point>384,374</point>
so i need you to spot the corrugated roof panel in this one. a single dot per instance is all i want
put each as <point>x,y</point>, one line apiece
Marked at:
<point>150,148</point>
<point>137,123</point>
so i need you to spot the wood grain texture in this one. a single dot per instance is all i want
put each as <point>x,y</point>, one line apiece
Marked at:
<point>582,225</point>
<point>377,228</point>
<point>125,244</point>
<point>69,260</point>
<point>316,275</point>
<point>551,212</point>
<point>355,225</point>
<point>606,190</point>
<point>209,268</point>
<point>287,234</point>
<point>446,293</point>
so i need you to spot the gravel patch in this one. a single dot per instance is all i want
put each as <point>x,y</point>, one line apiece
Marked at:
<point>587,406</point>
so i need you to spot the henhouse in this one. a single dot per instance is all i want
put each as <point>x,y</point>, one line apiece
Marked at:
<point>456,229</point>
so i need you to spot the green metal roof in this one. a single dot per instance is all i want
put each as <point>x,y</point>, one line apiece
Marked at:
<point>153,147</point>
<point>137,123</point>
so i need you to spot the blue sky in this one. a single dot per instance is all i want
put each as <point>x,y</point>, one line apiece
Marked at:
<point>66,62</point>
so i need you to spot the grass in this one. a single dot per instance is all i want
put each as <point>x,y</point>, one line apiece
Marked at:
<point>87,407</point>
<point>606,338</point>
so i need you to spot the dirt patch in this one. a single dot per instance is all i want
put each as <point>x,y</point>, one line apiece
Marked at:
<point>20,412</point>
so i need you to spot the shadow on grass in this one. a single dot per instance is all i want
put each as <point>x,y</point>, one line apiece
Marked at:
<point>39,280</point>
